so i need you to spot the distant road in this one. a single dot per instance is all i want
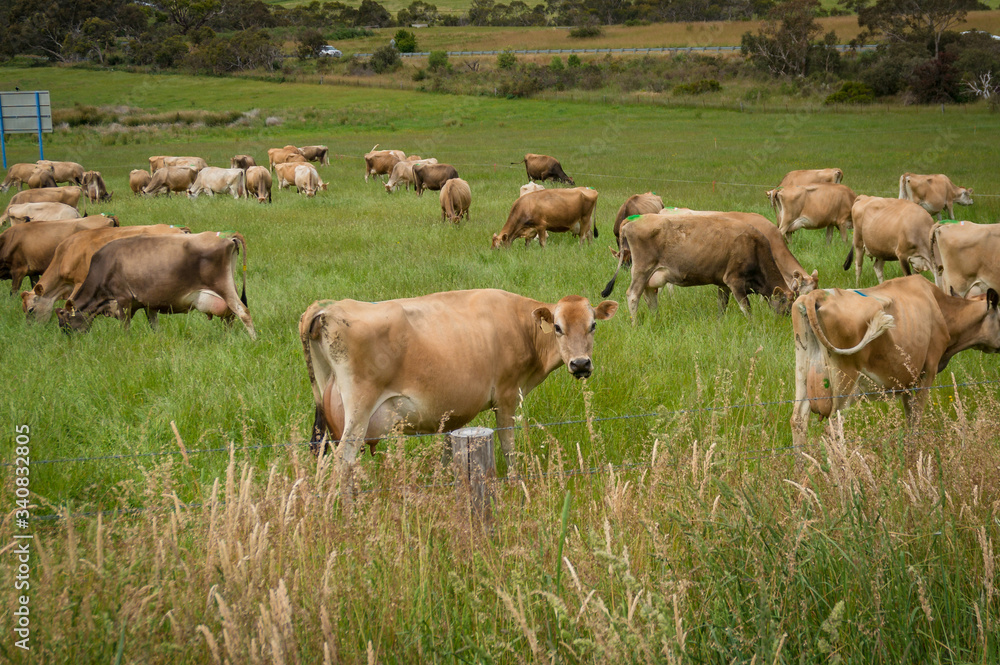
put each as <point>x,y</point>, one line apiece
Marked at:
<point>557,51</point>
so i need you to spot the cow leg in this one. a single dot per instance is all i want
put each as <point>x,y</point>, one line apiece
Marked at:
<point>859,260</point>
<point>723,298</point>
<point>17,276</point>
<point>800,410</point>
<point>33,279</point>
<point>652,301</point>
<point>637,287</point>
<point>904,263</point>
<point>505,428</point>
<point>151,316</point>
<point>543,237</point>
<point>843,233</point>
<point>829,235</point>
<point>879,265</point>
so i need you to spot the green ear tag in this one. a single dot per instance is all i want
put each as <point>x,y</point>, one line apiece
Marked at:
<point>631,217</point>
<point>826,383</point>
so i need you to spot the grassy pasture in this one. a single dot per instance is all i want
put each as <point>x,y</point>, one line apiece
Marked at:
<point>115,392</point>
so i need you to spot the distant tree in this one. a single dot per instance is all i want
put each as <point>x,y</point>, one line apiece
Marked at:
<point>371,13</point>
<point>384,59</point>
<point>782,44</point>
<point>406,41</point>
<point>506,59</point>
<point>310,42</point>
<point>911,20</point>
<point>418,12</point>
<point>189,15</point>
<point>437,60</point>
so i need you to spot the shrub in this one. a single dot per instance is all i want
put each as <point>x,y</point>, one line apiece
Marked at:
<point>170,52</point>
<point>420,74</point>
<point>437,60</point>
<point>557,64</point>
<point>698,87</point>
<point>406,41</point>
<point>310,42</point>
<point>936,80</point>
<point>585,31</point>
<point>506,59</point>
<point>384,59</point>
<point>852,92</point>
<point>573,61</point>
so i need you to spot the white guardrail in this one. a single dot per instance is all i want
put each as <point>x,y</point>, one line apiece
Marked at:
<point>558,51</point>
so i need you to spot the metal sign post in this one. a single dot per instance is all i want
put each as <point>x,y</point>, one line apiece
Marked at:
<point>24,113</point>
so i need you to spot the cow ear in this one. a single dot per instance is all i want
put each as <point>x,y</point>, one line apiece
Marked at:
<point>544,318</point>
<point>992,299</point>
<point>951,292</point>
<point>605,310</point>
<point>39,289</point>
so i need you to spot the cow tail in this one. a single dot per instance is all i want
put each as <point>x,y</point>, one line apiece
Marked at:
<point>243,184</point>
<point>936,260</point>
<point>850,259</point>
<point>595,226</point>
<point>878,325</point>
<point>902,187</point>
<point>241,242</point>
<point>621,259</point>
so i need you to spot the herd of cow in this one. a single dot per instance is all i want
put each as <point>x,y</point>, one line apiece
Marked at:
<point>425,363</point>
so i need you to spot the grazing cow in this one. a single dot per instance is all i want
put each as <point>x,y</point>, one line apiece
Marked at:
<point>137,180</point>
<point>213,180</point>
<point>161,274</point>
<point>380,162</point>
<point>696,250</point>
<point>529,188</point>
<point>434,362</point>
<point>890,230</point>
<point>197,163</point>
<point>21,213</point>
<point>156,163</point>
<point>934,193</point>
<point>71,262</point>
<point>638,204</point>
<point>966,256</point>
<point>415,158</point>
<point>805,177</point>
<point>18,175</point>
<point>259,183</point>
<point>70,195</point>
<point>815,207</point>
<point>96,190</point>
<point>26,249</point>
<point>557,210</point>
<point>68,172</point>
<point>41,177</point>
<point>286,174</point>
<point>242,162</point>
<point>456,198</point>
<point>402,174</point>
<point>306,180</point>
<point>543,167</point>
<point>432,176</point>
<point>171,179</point>
<point>284,155</point>
<point>316,153</point>
<point>900,334</point>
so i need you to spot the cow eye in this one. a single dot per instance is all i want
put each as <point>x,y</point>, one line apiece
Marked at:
<point>593,326</point>
<point>558,329</point>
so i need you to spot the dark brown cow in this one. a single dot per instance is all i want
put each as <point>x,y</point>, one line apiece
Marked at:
<point>556,210</point>
<point>638,204</point>
<point>316,153</point>
<point>168,274</point>
<point>27,249</point>
<point>380,162</point>
<point>696,250</point>
<point>71,262</point>
<point>93,185</point>
<point>543,167</point>
<point>899,334</point>
<point>432,176</point>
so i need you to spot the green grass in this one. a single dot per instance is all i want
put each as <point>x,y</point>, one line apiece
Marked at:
<point>115,392</point>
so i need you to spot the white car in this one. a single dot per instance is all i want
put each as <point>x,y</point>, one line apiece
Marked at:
<point>330,52</point>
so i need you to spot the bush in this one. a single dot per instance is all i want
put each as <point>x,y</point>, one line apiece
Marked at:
<point>573,61</point>
<point>420,74</point>
<point>698,87</point>
<point>406,41</point>
<point>506,59</point>
<point>557,64</point>
<point>852,92</point>
<point>170,52</point>
<point>584,31</point>
<point>437,60</point>
<point>384,59</point>
<point>310,42</point>
<point>936,80</point>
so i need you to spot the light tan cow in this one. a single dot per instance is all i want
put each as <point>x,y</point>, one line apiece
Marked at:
<point>21,213</point>
<point>242,162</point>
<point>213,180</point>
<point>71,262</point>
<point>899,334</point>
<point>815,207</point>
<point>306,180</point>
<point>316,153</point>
<point>456,198</point>
<point>890,230</point>
<point>259,183</point>
<point>434,362</point>
<point>380,162</point>
<point>171,179</point>
<point>934,193</point>
<point>402,174</point>
<point>96,190</point>
<point>698,250</point>
<point>638,204</point>
<point>529,188</point>
<point>557,210</point>
<point>197,163</point>
<point>804,177</point>
<point>68,172</point>
<point>41,177</point>
<point>68,194</point>
<point>18,175</point>
<point>156,163</point>
<point>284,155</point>
<point>285,175</point>
<point>966,257</point>
<point>137,180</point>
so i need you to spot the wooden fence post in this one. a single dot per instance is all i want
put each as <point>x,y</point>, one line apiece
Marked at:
<point>475,467</point>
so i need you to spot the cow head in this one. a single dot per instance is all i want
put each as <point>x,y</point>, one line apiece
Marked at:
<point>572,320</point>
<point>34,306</point>
<point>990,331</point>
<point>781,300</point>
<point>964,196</point>
<point>70,319</point>
<point>502,240</point>
<point>802,284</point>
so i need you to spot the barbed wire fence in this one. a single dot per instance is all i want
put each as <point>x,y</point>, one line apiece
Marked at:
<point>570,472</point>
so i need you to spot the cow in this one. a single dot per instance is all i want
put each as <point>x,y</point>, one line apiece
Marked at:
<point>316,153</point>
<point>557,210</point>
<point>434,362</point>
<point>966,256</point>
<point>27,249</point>
<point>18,175</point>
<point>41,177</point>
<point>380,162</point>
<point>93,185</point>
<point>286,175</point>
<point>70,263</point>
<point>890,230</point>
<point>815,207</point>
<point>137,180</point>
<point>805,177</point>
<point>284,155</point>
<point>934,193</point>
<point>456,198</point>
<point>696,250</point>
<point>197,163</point>
<point>171,179</point>
<point>415,158</point>
<point>242,162</point>
<point>306,180</point>
<point>543,167</point>
<point>68,172</point>
<point>20,213</point>
<point>213,180</point>
<point>259,183</point>
<point>432,176</point>
<point>70,195</point>
<point>156,163</point>
<point>161,274</point>
<point>638,204</point>
<point>402,174</point>
<point>900,334</point>
<point>529,188</point>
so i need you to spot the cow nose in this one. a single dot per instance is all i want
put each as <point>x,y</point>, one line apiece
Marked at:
<point>581,367</point>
